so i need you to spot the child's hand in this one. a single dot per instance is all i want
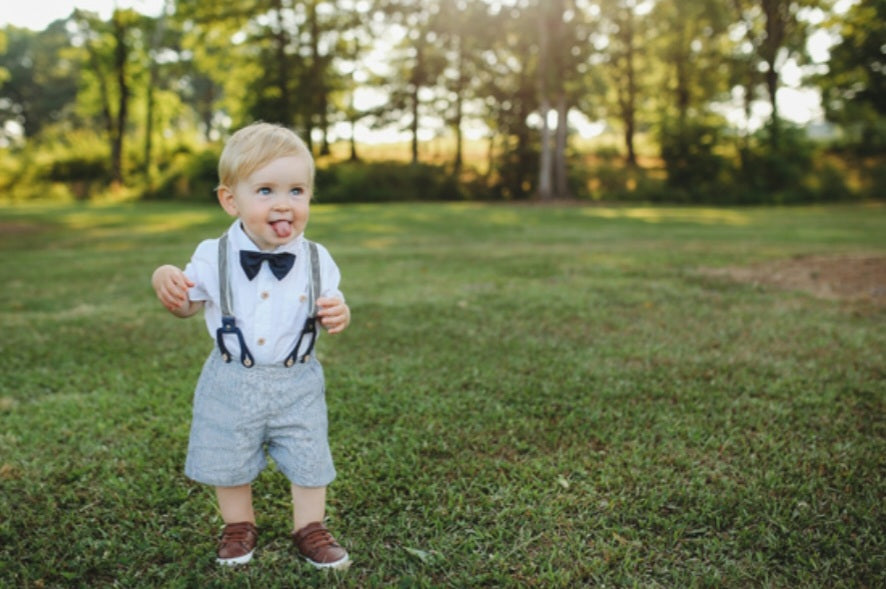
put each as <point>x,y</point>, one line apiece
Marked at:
<point>171,286</point>
<point>334,314</point>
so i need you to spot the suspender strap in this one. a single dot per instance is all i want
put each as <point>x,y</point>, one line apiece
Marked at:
<point>229,323</point>
<point>310,327</point>
<point>314,290</point>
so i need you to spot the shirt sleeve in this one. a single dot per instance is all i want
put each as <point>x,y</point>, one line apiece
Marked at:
<point>202,270</point>
<point>330,275</point>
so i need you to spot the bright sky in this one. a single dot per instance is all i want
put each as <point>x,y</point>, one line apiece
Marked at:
<point>37,14</point>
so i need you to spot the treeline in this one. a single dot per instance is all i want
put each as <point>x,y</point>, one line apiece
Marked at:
<point>138,104</point>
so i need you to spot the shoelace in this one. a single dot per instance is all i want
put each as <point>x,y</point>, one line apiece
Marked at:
<point>317,538</point>
<point>234,533</point>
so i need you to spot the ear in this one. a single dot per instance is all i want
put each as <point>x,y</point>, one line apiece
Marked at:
<point>226,200</point>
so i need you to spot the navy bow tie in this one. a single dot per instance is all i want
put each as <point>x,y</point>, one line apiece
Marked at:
<point>280,264</point>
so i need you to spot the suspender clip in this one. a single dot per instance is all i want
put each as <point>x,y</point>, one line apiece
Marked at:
<point>229,327</point>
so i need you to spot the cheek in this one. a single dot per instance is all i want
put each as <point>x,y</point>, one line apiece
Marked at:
<point>304,213</point>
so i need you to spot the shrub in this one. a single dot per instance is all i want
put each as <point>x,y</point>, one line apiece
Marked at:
<point>776,175</point>
<point>694,170</point>
<point>385,181</point>
<point>190,177</point>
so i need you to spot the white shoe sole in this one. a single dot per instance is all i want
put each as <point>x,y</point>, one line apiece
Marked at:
<point>235,561</point>
<point>340,565</point>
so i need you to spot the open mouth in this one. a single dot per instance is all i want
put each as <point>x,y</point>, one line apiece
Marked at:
<point>282,228</point>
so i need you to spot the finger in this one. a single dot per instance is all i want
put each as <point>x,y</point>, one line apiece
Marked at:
<point>182,282</point>
<point>331,311</point>
<point>328,302</point>
<point>174,296</point>
<point>336,323</point>
<point>333,329</point>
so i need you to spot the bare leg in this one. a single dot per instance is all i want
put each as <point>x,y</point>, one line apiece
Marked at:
<point>308,505</point>
<point>235,504</point>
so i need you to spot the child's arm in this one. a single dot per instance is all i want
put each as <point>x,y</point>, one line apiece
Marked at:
<point>171,286</point>
<point>334,314</point>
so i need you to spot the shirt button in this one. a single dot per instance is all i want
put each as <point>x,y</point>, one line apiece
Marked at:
<point>261,341</point>
<point>265,294</point>
<point>302,298</point>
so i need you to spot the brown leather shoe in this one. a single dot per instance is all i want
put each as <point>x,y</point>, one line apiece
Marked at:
<point>237,543</point>
<point>318,547</point>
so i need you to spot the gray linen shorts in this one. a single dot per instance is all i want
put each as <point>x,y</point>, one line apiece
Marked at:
<point>240,412</point>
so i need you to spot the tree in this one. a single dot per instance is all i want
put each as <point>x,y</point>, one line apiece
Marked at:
<point>624,27</point>
<point>250,52</point>
<point>854,89</point>
<point>416,65</point>
<point>326,36</point>
<point>39,85</point>
<point>566,32</point>
<point>109,47</point>
<point>775,32</point>
<point>690,36</point>
<point>463,28</point>
<point>509,90</point>
<point>156,40</point>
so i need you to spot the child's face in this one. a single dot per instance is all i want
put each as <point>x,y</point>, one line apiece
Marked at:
<point>272,202</point>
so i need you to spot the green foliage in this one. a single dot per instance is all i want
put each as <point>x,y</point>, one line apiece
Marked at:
<point>39,81</point>
<point>191,176</point>
<point>854,89</point>
<point>78,168</point>
<point>385,181</point>
<point>777,176</point>
<point>527,397</point>
<point>695,170</point>
<point>83,174</point>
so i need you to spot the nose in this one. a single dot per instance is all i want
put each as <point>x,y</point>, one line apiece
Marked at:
<point>280,203</point>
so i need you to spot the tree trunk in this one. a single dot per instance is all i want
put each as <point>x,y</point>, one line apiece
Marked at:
<point>683,95</point>
<point>324,119</point>
<point>103,94</point>
<point>490,156</point>
<point>120,55</point>
<point>156,40</point>
<point>417,75</point>
<point>629,109</point>
<point>459,139</point>
<point>353,143</point>
<point>281,41</point>
<point>413,125</point>
<point>777,13</point>
<point>459,113</point>
<point>544,190</point>
<point>772,91</point>
<point>561,173</point>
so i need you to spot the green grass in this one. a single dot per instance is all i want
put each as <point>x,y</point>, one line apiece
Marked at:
<point>527,396</point>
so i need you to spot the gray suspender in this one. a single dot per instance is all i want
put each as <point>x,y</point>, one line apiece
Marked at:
<point>229,323</point>
<point>224,284</point>
<point>310,327</point>
<point>313,280</point>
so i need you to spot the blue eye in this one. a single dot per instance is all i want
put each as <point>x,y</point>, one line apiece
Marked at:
<point>264,191</point>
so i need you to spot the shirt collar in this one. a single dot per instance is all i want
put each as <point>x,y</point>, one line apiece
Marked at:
<point>241,241</point>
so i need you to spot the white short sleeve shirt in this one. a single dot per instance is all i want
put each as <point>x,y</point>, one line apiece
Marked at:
<point>271,313</point>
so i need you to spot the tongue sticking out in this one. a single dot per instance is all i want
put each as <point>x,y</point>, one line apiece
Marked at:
<point>282,228</point>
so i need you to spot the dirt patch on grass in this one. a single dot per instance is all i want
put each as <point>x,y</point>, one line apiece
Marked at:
<point>850,278</point>
<point>13,228</point>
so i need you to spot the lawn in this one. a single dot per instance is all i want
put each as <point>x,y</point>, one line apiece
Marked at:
<point>527,397</point>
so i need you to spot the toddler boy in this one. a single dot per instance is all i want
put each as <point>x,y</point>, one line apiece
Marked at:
<point>263,287</point>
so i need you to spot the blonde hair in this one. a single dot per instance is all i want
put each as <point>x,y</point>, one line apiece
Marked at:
<point>257,145</point>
